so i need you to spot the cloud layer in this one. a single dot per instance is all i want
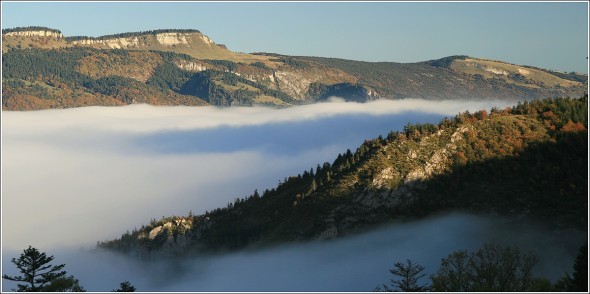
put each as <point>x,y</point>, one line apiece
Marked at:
<point>76,176</point>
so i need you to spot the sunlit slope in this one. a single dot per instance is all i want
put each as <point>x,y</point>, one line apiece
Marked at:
<point>186,62</point>
<point>458,77</point>
<point>189,42</point>
<point>529,161</point>
<point>32,37</point>
<point>512,74</point>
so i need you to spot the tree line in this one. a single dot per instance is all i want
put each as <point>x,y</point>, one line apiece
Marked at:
<point>132,34</point>
<point>29,28</point>
<point>492,268</point>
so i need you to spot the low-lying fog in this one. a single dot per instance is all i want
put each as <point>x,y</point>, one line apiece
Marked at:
<point>76,176</point>
<point>357,263</point>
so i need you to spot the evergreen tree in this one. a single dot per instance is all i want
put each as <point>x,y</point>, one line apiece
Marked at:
<point>578,282</point>
<point>580,276</point>
<point>125,287</point>
<point>36,270</point>
<point>64,284</point>
<point>409,274</point>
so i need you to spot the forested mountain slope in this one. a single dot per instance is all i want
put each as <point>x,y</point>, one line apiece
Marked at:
<point>528,161</point>
<point>44,69</point>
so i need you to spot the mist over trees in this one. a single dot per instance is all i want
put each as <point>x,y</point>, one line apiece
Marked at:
<point>37,272</point>
<point>492,268</point>
<point>39,275</point>
<point>565,127</point>
<point>409,274</point>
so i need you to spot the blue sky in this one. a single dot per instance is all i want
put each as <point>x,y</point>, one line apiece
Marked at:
<point>548,35</point>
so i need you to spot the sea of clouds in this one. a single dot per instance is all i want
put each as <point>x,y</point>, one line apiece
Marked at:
<point>72,177</point>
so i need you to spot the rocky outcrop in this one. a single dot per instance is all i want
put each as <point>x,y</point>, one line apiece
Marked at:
<point>169,39</point>
<point>37,33</point>
<point>190,65</point>
<point>381,193</point>
<point>439,160</point>
<point>116,43</point>
<point>170,227</point>
<point>292,83</point>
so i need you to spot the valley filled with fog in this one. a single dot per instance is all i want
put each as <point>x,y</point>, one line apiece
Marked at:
<point>73,177</point>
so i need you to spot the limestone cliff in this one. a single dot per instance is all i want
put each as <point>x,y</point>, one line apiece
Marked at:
<point>36,33</point>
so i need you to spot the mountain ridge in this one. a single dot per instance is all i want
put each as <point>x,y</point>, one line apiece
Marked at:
<point>186,62</point>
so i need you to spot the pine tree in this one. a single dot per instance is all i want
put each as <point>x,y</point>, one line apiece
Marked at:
<point>64,284</point>
<point>580,275</point>
<point>36,270</point>
<point>125,287</point>
<point>409,274</point>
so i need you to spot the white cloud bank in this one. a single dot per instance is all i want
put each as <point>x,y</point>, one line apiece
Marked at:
<point>76,176</point>
<point>146,118</point>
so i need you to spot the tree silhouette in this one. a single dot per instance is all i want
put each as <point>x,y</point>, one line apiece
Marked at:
<point>490,269</point>
<point>64,284</point>
<point>580,276</point>
<point>409,274</point>
<point>454,273</point>
<point>125,287</point>
<point>36,270</point>
<point>578,281</point>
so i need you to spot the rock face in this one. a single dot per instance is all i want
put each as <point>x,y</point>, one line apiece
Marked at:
<point>155,232</point>
<point>36,33</point>
<point>439,159</point>
<point>170,39</point>
<point>165,39</point>
<point>190,66</point>
<point>117,43</point>
<point>179,224</point>
<point>292,83</point>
